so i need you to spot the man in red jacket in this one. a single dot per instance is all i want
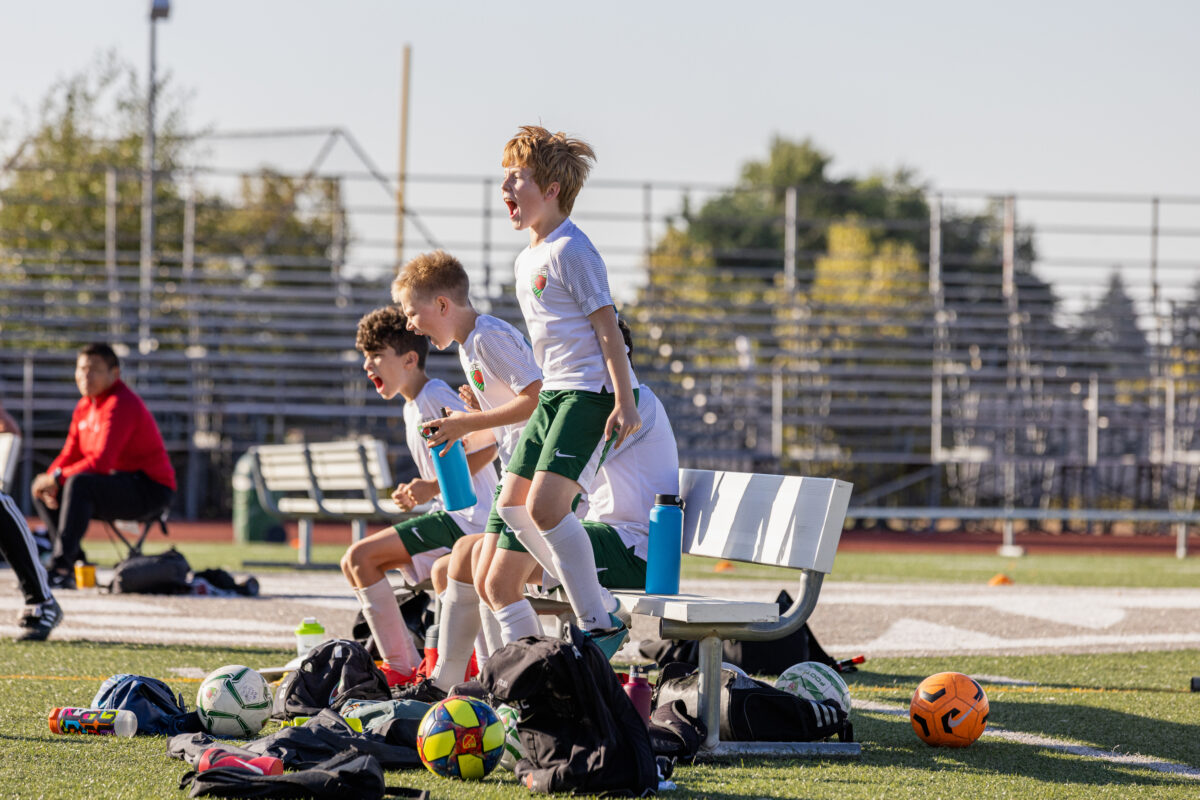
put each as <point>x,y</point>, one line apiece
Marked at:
<point>113,465</point>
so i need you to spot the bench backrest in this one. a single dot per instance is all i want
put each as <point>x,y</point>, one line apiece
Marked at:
<point>780,520</point>
<point>10,453</point>
<point>335,466</point>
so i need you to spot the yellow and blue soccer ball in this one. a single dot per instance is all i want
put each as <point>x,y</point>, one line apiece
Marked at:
<point>460,737</point>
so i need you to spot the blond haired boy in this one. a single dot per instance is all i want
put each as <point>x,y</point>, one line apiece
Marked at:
<point>587,402</point>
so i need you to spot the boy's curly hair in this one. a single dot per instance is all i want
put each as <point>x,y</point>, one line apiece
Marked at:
<point>388,327</point>
<point>551,157</point>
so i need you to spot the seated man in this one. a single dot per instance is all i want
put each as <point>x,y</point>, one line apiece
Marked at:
<point>394,360</point>
<point>617,521</point>
<point>17,547</point>
<point>113,466</point>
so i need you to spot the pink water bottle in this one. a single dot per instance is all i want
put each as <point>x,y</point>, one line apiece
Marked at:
<point>639,691</point>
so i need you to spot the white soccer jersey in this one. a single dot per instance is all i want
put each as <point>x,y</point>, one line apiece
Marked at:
<point>498,363</point>
<point>643,466</point>
<point>435,395</point>
<point>559,283</point>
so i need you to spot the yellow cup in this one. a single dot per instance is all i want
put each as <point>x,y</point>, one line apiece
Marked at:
<point>85,576</point>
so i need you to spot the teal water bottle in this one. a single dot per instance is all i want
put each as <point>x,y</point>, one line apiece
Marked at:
<point>666,545</point>
<point>453,473</point>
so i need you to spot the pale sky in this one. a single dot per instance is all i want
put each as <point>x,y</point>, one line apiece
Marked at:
<point>1018,96</point>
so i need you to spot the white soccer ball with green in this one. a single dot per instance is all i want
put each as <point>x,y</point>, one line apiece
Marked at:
<point>234,701</point>
<point>815,681</point>
<point>513,752</point>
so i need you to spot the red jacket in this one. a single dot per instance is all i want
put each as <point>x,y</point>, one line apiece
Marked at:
<point>114,433</point>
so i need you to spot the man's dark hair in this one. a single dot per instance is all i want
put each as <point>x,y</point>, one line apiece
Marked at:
<point>388,327</point>
<point>102,350</point>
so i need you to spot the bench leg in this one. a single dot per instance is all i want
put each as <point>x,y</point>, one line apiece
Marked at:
<point>358,530</point>
<point>709,702</point>
<point>306,533</point>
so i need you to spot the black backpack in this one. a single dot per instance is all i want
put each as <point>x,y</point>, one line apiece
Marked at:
<point>331,674</point>
<point>161,573</point>
<point>753,711</point>
<point>158,709</point>
<point>579,731</point>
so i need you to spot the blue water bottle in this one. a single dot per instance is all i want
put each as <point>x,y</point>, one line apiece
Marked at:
<point>666,545</point>
<point>454,476</point>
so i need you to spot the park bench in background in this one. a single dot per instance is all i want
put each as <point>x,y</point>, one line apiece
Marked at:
<point>347,481</point>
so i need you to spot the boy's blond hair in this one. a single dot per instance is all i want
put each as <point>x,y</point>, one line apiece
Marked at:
<point>432,274</point>
<point>388,327</point>
<point>551,157</point>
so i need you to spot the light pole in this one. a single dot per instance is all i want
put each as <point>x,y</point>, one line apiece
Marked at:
<point>159,9</point>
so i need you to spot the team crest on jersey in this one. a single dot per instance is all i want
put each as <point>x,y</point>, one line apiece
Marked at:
<point>539,282</point>
<point>477,376</point>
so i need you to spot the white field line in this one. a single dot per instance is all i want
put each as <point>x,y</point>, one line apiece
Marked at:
<point>1126,759</point>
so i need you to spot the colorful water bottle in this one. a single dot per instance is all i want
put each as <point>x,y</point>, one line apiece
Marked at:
<point>639,691</point>
<point>453,475</point>
<point>310,634</point>
<point>666,545</point>
<point>96,721</point>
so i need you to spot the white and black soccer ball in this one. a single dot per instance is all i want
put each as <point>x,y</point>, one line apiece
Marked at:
<point>234,701</point>
<point>815,681</point>
<point>513,751</point>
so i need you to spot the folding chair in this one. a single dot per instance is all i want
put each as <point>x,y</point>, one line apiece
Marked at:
<point>147,521</point>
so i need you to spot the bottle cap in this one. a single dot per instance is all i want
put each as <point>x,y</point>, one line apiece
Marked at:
<point>310,625</point>
<point>668,500</point>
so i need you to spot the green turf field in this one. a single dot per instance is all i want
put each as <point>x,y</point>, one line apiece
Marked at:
<point>1124,703</point>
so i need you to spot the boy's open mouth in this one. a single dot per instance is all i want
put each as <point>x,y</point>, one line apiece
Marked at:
<point>512,207</point>
<point>375,379</point>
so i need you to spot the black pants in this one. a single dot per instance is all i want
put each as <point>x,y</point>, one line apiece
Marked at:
<point>18,548</point>
<point>87,496</point>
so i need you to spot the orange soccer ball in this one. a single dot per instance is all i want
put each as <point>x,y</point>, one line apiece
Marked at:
<point>948,710</point>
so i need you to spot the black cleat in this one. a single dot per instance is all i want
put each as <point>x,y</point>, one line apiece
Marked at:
<point>39,620</point>
<point>425,691</point>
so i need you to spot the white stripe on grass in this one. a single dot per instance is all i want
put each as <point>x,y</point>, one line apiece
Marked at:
<point>1125,759</point>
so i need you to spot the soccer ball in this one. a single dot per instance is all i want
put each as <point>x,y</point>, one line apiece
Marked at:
<point>513,752</point>
<point>234,701</point>
<point>815,681</point>
<point>460,737</point>
<point>949,710</point>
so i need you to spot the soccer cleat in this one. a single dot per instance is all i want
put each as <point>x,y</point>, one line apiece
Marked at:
<point>609,640</point>
<point>397,678</point>
<point>425,691</point>
<point>425,668</point>
<point>61,580</point>
<point>39,620</point>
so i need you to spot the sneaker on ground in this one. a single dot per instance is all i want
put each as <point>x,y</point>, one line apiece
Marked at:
<point>61,580</point>
<point>37,621</point>
<point>609,640</point>
<point>425,691</point>
<point>397,678</point>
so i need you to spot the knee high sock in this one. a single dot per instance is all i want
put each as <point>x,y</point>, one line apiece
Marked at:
<point>575,566</point>
<point>517,518</point>
<point>491,631</point>
<point>517,620</point>
<point>387,626</point>
<point>459,625</point>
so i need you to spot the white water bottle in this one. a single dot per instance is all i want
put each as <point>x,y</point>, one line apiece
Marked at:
<point>310,634</point>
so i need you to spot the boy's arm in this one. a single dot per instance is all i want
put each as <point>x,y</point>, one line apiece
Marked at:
<point>481,458</point>
<point>624,418</point>
<point>459,424</point>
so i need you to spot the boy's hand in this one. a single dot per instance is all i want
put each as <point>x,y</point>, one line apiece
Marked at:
<point>467,394</point>
<point>414,493</point>
<point>624,422</point>
<point>449,429</point>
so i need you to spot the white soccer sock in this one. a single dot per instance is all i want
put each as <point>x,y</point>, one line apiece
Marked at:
<point>517,620</point>
<point>575,566</point>
<point>459,626</point>
<point>491,631</point>
<point>481,650</point>
<point>383,617</point>
<point>517,518</point>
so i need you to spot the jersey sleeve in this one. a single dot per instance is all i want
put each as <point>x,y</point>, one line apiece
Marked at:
<point>584,276</point>
<point>509,357</point>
